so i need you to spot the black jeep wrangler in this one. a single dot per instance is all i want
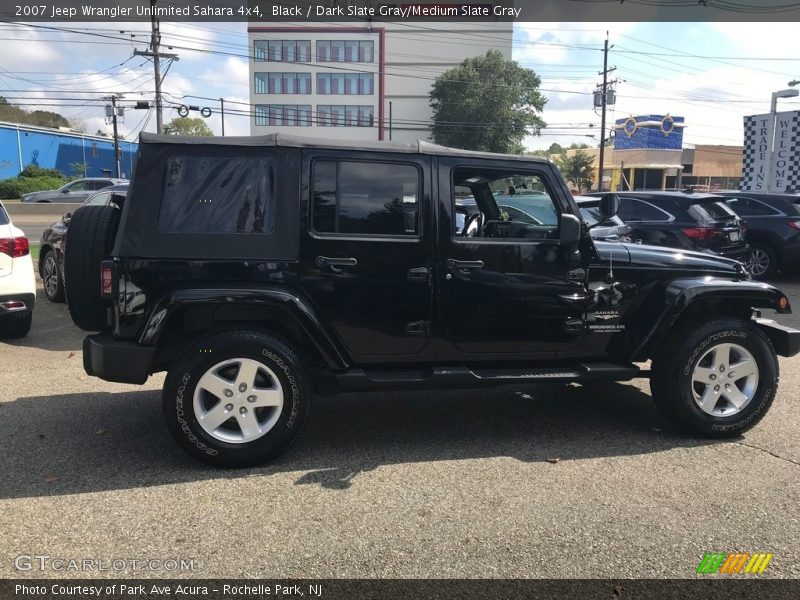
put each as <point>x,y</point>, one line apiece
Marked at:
<point>260,271</point>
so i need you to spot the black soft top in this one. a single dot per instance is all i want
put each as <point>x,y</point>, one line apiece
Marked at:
<point>296,141</point>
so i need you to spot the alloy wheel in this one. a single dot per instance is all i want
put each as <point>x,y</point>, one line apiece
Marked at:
<point>238,400</point>
<point>759,262</point>
<point>50,276</point>
<point>725,380</point>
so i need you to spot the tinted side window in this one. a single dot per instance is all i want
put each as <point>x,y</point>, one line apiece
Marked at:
<point>3,216</point>
<point>204,194</point>
<point>636,210</point>
<point>98,185</point>
<point>365,198</point>
<point>79,186</point>
<point>747,207</point>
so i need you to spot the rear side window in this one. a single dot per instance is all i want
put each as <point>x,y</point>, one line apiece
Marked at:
<point>217,195</point>
<point>365,198</point>
<point>3,216</point>
<point>748,207</point>
<point>631,209</point>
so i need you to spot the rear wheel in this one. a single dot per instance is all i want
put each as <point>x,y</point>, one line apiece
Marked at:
<point>716,379</point>
<point>237,398</point>
<point>51,278</point>
<point>763,260</point>
<point>89,240</point>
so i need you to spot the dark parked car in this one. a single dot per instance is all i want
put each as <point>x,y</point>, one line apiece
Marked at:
<point>773,229</point>
<point>700,222</point>
<point>602,227</point>
<point>259,271</point>
<point>51,247</point>
<point>76,191</point>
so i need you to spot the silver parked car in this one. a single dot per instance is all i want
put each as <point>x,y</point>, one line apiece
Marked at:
<point>75,191</point>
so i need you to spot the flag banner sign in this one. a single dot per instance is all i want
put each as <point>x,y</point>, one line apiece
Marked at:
<point>782,165</point>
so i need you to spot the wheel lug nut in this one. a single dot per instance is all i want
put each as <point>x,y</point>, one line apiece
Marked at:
<point>712,377</point>
<point>242,387</point>
<point>716,388</point>
<point>229,407</point>
<point>251,398</point>
<point>228,393</point>
<point>732,373</point>
<point>722,368</point>
<point>243,411</point>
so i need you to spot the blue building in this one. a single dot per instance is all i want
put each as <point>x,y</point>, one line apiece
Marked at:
<point>23,145</point>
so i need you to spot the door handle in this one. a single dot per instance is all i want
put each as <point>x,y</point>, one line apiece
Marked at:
<point>326,261</point>
<point>452,263</point>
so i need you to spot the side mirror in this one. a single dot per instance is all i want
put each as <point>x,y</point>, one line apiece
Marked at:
<point>609,205</point>
<point>66,217</point>
<point>570,229</point>
<point>65,191</point>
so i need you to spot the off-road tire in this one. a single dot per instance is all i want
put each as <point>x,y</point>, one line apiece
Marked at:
<point>89,240</point>
<point>673,366</point>
<point>182,380</point>
<point>16,325</point>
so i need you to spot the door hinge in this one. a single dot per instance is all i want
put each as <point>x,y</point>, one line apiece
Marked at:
<point>418,328</point>
<point>419,274</point>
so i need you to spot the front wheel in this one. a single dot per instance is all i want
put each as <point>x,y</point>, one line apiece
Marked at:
<point>716,379</point>
<point>237,398</point>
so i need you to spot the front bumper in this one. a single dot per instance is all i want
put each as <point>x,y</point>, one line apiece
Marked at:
<point>115,360</point>
<point>785,339</point>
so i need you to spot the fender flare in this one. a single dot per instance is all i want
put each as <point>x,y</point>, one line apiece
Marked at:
<point>287,301</point>
<point>680,294</point>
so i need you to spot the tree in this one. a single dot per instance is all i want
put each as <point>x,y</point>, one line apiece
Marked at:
<point>188,126</point>
<point>41,118</point>
<point>486,103</point>
<point>577,168</point>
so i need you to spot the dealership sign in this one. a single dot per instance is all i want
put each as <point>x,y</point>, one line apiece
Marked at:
<point>782,165</point>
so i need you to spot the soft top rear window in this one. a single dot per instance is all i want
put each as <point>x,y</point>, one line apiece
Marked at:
<point>204,194</point>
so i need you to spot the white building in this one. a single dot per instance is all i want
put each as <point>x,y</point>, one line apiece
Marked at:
<point>358,81</point>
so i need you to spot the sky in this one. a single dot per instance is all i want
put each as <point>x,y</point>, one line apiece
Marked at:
<point>712,74</point>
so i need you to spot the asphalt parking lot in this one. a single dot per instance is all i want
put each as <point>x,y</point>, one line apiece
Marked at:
<point>513,482</point>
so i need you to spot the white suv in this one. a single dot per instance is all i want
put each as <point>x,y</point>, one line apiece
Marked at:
<point>17,282</point>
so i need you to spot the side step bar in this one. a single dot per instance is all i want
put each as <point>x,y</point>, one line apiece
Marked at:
<point>445,377</point>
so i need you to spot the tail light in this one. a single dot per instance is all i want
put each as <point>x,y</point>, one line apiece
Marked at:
<point>106,275</point>
<point>794,225</point>
<point>703,234</point>
<point>15,247</point>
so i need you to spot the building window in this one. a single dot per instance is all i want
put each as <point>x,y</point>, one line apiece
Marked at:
<point>281,51</point>
<point>283,115</point>
<point>348,84</point>
<point>283,83</point>
<point>365,198</point>
<point>341,115</point>
<point>345,51</point>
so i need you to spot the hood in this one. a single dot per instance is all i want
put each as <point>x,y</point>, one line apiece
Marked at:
<point>642,255</point>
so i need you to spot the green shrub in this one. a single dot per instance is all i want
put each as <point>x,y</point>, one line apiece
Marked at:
<point>37,171</point>
<point>14,187</point>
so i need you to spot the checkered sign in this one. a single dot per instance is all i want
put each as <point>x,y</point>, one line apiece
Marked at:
<point>784,171</point>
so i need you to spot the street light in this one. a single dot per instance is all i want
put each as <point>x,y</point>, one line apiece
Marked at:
<point>773,111</point>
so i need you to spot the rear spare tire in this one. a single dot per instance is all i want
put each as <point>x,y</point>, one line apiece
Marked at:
<point>89,240</point>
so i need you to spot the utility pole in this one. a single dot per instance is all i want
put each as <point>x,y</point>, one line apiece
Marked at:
<point>113,115</point>
<point>604,99</point>
<point>222,114</point>
<point>156,56</point>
